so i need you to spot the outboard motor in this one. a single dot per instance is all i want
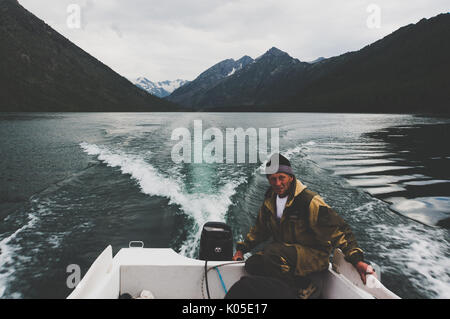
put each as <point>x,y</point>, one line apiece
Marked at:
<point>216,242</point>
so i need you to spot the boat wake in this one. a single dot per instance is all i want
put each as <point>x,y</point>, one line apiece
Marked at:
<point>15,255</point>
<point>200,207</point>
<point>422,254</point>
<point>7,252</point>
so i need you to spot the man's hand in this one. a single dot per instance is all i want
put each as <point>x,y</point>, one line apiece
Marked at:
<point>238,256</point>
<point>364,270</point>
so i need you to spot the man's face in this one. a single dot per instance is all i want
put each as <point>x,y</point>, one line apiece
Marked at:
<point>280,183</point>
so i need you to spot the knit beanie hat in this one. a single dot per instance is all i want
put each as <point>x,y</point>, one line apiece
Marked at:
<point>284,166</point>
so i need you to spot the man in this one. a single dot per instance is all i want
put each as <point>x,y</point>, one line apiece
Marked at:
<point>304,229</point>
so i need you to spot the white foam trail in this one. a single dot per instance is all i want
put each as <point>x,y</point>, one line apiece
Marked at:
<point>205,208</point>
<point>291,152</point>
<point>7,252</point>
<point>201,207</point>
<point>416,249</point>
<point>147,177</point>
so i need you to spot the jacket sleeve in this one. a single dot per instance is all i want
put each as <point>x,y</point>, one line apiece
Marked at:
<point>330,227</point>
<point>257,234</point>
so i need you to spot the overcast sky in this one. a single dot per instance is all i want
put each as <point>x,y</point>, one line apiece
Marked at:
<point>171,39</point>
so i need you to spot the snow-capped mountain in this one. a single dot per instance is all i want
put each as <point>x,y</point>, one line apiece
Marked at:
<point>317,60</point>
<point>236,83</point>
<point>208,79</point>
<point>160,89</point>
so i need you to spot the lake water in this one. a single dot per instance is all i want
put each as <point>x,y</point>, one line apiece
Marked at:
<point>73,183</point>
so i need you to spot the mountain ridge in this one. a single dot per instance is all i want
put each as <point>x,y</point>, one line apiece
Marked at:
<point>43,71</point>
<point>405,71</point>
<point>188,94</point>
<point>247,83</point>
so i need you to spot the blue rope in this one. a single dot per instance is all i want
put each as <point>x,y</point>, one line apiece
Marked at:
<point>221,280</point>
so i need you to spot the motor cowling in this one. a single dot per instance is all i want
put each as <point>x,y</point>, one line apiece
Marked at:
<point>216,242</point>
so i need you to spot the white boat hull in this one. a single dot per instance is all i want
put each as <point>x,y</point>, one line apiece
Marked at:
<point>168,275</point>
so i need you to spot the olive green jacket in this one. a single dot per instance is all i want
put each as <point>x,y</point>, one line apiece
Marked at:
<point>308,224</point>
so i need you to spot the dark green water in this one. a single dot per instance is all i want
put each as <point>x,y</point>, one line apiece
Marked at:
<point>71,184</point>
